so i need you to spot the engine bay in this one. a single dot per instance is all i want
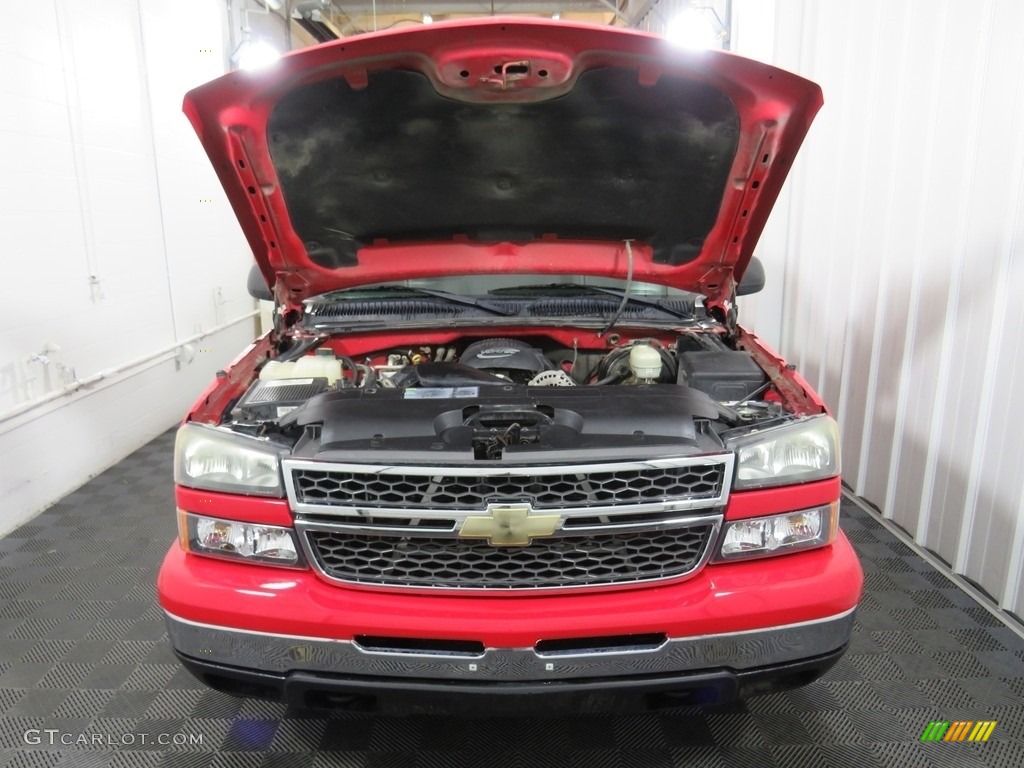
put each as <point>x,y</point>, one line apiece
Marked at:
<point>542,395</point>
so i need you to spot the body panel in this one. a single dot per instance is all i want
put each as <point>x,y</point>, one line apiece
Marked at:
<point>723,597</point>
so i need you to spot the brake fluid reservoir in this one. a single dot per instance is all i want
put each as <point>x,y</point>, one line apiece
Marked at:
<point>645,362</point>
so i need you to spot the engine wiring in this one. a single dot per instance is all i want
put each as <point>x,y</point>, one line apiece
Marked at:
<point>625,290</point>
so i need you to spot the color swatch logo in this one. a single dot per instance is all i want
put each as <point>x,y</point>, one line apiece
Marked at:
<point>959,730</point>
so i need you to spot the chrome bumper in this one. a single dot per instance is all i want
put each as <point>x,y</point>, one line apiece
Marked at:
<point>279,654</point>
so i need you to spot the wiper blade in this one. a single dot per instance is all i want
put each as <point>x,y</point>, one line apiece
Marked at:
<point>551,290</point>
<point>643,302</point>
<point>577,289</point>
<point>451,298</point>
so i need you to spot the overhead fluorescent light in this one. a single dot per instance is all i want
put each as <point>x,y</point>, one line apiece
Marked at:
<point>255,54</point>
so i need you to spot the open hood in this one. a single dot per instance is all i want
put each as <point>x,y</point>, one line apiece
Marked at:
<point>494,146</point>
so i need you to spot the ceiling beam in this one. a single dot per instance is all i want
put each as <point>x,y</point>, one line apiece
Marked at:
<point>637,14</point>
<point>614,8</point>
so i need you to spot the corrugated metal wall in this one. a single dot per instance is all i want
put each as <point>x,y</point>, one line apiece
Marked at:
<point>900,246</point>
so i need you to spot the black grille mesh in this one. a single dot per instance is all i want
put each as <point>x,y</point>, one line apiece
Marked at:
<point>636,486</point>
<point>448,563</point>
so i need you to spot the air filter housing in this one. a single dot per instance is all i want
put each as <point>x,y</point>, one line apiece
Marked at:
<point>271,400</point>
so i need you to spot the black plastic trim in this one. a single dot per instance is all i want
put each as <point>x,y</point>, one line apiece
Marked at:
<point>309,690</point>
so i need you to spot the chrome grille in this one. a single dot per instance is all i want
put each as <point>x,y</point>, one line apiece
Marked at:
<point>398,489</point>
<point>563,561</point>
<point>623,522</point>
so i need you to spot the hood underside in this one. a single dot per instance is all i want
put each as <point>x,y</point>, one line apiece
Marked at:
<point>503,146</point>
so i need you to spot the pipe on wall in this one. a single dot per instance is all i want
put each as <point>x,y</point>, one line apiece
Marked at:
<point>110,375</point>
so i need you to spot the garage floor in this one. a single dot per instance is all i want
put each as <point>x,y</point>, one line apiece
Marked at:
<point>83,655</point>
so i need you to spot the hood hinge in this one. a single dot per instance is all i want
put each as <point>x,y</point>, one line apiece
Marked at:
<point>726,312</point>
<point>289,288</point>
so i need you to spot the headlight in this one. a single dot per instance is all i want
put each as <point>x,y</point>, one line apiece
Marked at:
<point>795,453</point>
<point>779,534</point>
<point>214,460</point>
<point>269,544</point>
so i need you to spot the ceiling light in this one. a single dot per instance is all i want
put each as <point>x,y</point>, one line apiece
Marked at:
<point>694,28</point>
<point>255,54</point>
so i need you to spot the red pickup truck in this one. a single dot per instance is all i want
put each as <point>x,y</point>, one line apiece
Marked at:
<point>506,440</point>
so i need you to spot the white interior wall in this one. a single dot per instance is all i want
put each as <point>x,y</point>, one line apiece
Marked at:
<point>119,243</point>
<point>901,236</point>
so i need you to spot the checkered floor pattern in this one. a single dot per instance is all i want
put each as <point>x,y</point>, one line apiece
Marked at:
<point>87,678</point>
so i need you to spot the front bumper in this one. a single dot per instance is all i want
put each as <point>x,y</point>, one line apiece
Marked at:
<point>282,654</point>
<point>721,598</point>
<point>314,673</point>
<point>731,628</point>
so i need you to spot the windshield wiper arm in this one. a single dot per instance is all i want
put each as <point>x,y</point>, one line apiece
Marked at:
<point>468,301</point>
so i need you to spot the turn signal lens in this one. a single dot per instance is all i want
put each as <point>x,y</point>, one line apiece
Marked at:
<point>779,534</point>
<point>267,544</point>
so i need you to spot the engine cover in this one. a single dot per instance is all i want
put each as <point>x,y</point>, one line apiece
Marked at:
<point>505,355</point>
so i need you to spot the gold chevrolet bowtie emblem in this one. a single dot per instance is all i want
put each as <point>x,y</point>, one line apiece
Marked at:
<point>509,526</point>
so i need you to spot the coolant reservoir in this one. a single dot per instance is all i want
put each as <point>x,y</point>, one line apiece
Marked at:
<point>275,369</point>
<point>322,364</point>
<point>645,362</point>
